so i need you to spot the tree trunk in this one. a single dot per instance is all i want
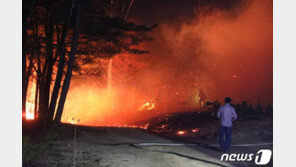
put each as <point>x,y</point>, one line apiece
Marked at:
<point>61,54</point>
<point>38,82</point>
<point>24,89</point>
<point>41,101</point>
<point>25,82</point>
<point>68,76</point>
<point>25,77</point>
<point>27,6</point>
<point>46,81</point>
<point>36,99</point>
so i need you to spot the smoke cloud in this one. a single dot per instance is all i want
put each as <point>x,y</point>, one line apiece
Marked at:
<point>222,52</point>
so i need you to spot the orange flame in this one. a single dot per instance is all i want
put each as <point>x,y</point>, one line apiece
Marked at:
<point>181,132</point>
<point>195,130</point>
<point>149,105</point>
<point>30,103</point>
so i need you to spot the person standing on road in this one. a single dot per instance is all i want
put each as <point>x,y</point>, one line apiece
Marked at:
<point>227,115</point>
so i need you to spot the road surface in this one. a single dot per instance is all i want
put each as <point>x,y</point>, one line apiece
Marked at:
<point>125,147</point>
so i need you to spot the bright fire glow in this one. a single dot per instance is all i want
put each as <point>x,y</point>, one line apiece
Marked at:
<point>181,132</point>
<point>30,103</point>
<point>195,130</point>
<point>171,75</point>
<point>89,104</point>
<point>29,115</point>
<point>149,105</point>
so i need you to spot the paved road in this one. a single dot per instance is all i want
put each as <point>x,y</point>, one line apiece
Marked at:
<point>120,147</point>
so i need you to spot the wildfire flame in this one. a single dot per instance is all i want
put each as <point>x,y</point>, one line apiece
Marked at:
<point>149,105</point>
<point>181,132</point>
<point>30,103</point>
<point>195,130</point>
<point>29,115</point>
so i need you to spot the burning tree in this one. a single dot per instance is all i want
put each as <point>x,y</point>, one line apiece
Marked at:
<point>60,36</point>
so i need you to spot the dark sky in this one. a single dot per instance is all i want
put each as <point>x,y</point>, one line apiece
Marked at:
<point>157,11</point>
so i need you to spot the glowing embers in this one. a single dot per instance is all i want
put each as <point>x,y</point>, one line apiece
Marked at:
<point>148,106</point>
<point>145,127</point>
<point>191,132</point>
<point>133,126</point>
<point>74,121</point>
<point>195,130</point>
<point>181,132</point>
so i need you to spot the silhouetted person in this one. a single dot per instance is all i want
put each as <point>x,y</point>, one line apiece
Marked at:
<point>227,115</point>
<point>202,98</point>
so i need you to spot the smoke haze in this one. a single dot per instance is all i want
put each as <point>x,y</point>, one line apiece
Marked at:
<point>220,51</point>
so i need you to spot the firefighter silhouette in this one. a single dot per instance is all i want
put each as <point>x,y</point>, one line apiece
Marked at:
<point>202,98</point>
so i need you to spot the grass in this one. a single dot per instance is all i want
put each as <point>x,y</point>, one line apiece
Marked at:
<point>32,149</point>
